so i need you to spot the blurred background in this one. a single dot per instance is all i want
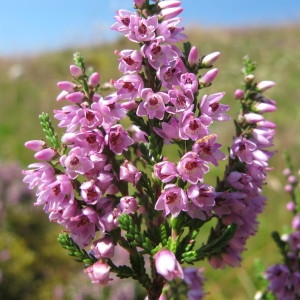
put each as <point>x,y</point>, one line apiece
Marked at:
<point>37,40</point>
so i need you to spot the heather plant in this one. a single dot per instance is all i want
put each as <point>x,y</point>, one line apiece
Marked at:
<point>129,171</point>
<point>282,280</point>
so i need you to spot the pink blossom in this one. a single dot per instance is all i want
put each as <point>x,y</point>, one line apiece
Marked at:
<point>98,272</point>
<point>90,192</point>
<point>159,54</point>
<point>170,74</point>
<point>169,30</point>
<point>191,127</point>
<point>118,139</point>
<point>191,168</point>
<point>103,248</point>
<point>208,149</point>
<point>169,131</point>
<point>167,265</point>
<point>172,200</point>
<point>130,173</point>
<point>128,205</point>
<point>123,21</point>
<point>165,171</point>
<point>90,117</point>
<point>142,30</point>
<point>210,106</point>
<point>76,162</point>
<point>68,117</point>
<point>189,82</point>
<point>242,148</point>
<point>129,86</point>
<point>153,104</point>
<point>130,61</point>
<point>181,101</point>
<point>75,97</point>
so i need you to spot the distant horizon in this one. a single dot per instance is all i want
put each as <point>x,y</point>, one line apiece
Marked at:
<point>37,27</point>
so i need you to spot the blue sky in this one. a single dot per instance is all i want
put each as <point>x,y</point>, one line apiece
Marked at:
<point>32,26</point>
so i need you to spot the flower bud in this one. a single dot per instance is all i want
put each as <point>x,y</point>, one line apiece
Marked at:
<point>249,78</point>
<point>264,85</point>
<point>264,107</point>
<point>168,4</point>
<point>66,86</point>
<point>209,59</point>
<point>75,71</point>
<point>128,205</point>
<point>139,3</point>
<point>193,57</point>
<point>208,77</point>
<point>62,96</point>
<point>94,79</point>
<point>98,272</point>
<point>35,145</point>
<point>239,94</point>
<point>169,13</point>
<point>103,248</point>
<point>45,154</point>
<point>167,265</point>
<point>75,97</point>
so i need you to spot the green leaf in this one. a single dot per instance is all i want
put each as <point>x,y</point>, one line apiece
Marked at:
<point>49,131</point>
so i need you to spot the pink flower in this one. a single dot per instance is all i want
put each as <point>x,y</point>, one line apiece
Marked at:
<point>130,173</point>
<point>45,154</point>
<point>165,171</point>
<point>172,200</point>
<point>167,265</point>
<point>130,61</point>
<point>191,168</point>
<point>76,162</point>
<point>208,150</point>
<point>129,86</point>
<point>103,248</point>
<point>123,21</point>
<point>128,205</point>
<point>210,106</point>
<point>142,30</point>
<point>90,192</point>
<point>153,104</point>
<point>180,100</point>
<point>118,139</point>
<point>169,30</point>
<point>208,77</point>
<point>98,272</point>
<point>242,148</point>
<point>189,82</point>
<point>191,127</point>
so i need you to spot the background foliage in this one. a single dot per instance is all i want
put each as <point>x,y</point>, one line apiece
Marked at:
<point>32,264</point>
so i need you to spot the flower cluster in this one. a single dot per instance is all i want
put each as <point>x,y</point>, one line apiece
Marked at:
<point>110,186</point>
<point>284,278</point>
<point>239,197</point>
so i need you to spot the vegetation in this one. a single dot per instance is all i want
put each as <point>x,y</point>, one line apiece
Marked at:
<point>36,264</point>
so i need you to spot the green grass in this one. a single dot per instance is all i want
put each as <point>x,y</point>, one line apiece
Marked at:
<point>276,50</point>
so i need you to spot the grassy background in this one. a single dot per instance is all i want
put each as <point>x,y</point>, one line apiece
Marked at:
<point>28,87</point>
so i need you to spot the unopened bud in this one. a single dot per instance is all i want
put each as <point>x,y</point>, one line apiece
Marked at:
<point>209,59</point>
<point>239,94</point>
<point>94,79</point>
<point>45,154</point>
<point>193,57</point>
<point>171,12</point>
<point>265,85</point>
<point>75,97</point>
<point>75,71</point>
<point>66,86</point>
<point>264,107</point>
<point>208,77</point>
<point>249,78</point>
<point>35,145</point>
<point>139,3</point>
<point>168,4</point>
